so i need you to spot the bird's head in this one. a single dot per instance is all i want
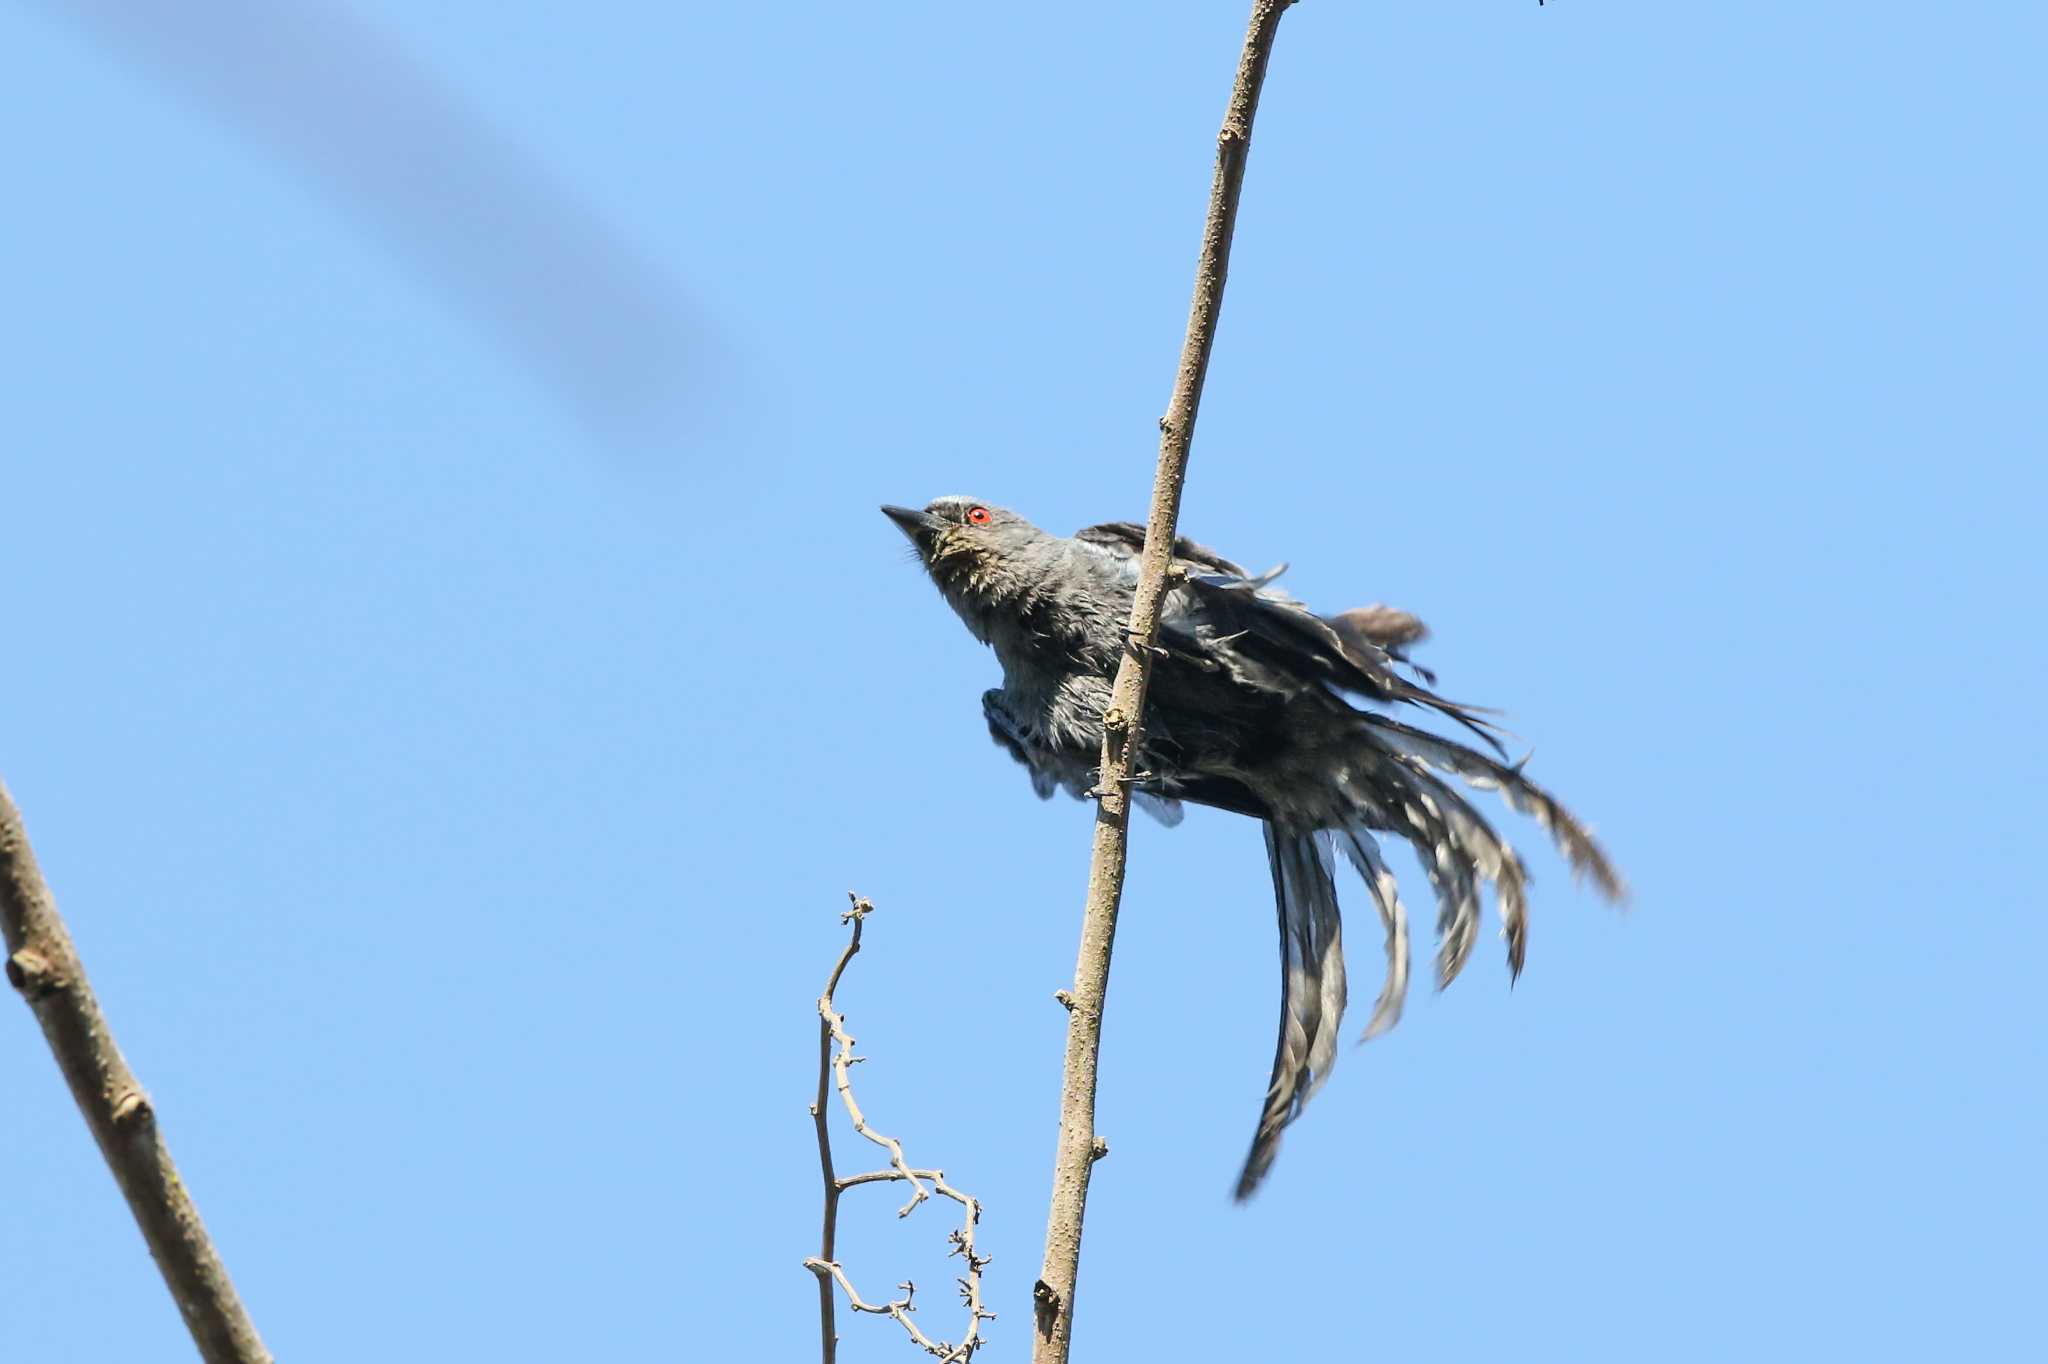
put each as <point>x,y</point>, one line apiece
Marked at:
<point>980,555</point>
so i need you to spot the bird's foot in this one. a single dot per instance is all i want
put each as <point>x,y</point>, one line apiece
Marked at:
<point>1098,791</point>
<point>1138,646</point>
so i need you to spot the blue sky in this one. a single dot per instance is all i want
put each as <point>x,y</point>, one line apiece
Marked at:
<point>456,669</point>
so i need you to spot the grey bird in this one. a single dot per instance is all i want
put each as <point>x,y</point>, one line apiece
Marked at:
<point>1252,709</point>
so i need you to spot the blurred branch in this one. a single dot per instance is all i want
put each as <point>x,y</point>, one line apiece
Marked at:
<point>405,156</point>
<point>43,965</point>
<point>835,1064</point>
<point>1079,1147</point>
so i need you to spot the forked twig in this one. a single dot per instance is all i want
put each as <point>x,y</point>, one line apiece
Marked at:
<point>836,1060</point>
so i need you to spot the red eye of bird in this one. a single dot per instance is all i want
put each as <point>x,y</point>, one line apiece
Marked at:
<point>977,516</point>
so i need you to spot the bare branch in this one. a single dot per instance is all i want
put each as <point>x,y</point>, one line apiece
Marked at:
<point>43,965</point>
<point>1122,722</point>
<point>835,1063</point>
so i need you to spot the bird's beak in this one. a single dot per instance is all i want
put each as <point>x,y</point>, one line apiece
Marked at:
<point>919,526</point>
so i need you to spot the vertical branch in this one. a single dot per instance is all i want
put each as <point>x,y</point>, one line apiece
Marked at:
<point>43,965</point>
<point>1079,1147</point>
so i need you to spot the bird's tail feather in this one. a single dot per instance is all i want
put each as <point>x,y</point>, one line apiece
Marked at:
<point>1364,851</point>
<point>1400,803</point>
<point>1522,795</point>
<point>1393,785</point>
<point>1469,840</point>
<point>1312,989</point>
<point>1398,789</point>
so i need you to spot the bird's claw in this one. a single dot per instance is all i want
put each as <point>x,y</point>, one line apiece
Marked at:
<point>1138,646</point>
<point>1097,791</point>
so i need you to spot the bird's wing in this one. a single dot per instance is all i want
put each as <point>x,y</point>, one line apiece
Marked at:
<point>1364,628</point>
<point>1366,641</point>
<point>1383,627</point>
<point>1011,738</point>
<point>1127,538</point>
<point>1311,989</point>
<point>1392,631</point>
<point>1051,771</point>
<point>1166,809</point>
<point>1273,642</point>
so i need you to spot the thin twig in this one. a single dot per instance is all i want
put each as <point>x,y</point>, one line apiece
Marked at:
<point>1078,1144</point>
<point>835,1064</point>
<point>43,965</point>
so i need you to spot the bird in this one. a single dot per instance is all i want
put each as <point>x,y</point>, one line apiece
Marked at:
<point>1260,707</point>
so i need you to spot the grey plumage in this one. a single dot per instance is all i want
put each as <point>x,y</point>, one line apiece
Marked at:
<point>1251,709</point>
